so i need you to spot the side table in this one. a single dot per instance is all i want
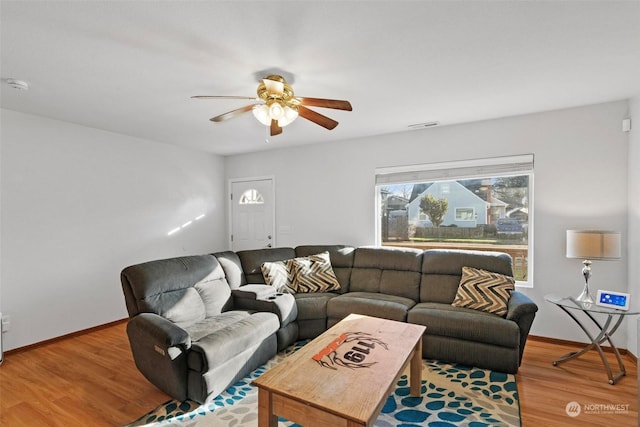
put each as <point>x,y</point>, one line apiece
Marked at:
<point>614,319</point>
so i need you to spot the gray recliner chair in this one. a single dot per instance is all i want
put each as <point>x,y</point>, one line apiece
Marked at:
<point>191,334</point>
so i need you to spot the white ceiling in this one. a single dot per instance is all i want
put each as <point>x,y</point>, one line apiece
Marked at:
<point>131,67</point>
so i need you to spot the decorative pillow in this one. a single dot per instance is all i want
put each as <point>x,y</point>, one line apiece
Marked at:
<point>279,274</point>
<point>314,274</point>
<point>484,290</point>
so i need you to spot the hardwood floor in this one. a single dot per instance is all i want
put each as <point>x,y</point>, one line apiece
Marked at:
<point>91,380</point>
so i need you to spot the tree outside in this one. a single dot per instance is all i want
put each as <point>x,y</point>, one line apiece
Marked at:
<point>434,208</point>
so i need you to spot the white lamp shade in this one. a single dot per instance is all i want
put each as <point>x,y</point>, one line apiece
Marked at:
<point>276,110</point>
<point>289,115</point>
<point>593,244</point>
<point>261,112</point>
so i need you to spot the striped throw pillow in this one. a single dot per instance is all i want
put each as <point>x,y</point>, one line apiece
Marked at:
<point>314,274</point>
<point>484,290</point>
<point>279,274</point>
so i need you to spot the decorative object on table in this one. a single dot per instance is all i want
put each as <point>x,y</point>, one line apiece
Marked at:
<point>613,299</point>
<point>592,245</point>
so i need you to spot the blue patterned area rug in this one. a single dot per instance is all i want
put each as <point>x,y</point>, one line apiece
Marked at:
<point>452,395</point>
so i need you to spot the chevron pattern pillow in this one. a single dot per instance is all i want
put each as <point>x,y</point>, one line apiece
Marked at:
<point>484,290</point>
<point>279,274</point>
<point>314,274</point>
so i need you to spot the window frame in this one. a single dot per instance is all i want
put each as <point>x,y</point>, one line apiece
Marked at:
<point>495,167</point>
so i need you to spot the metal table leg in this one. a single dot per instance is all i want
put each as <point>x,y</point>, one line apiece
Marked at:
<point>605,334</point>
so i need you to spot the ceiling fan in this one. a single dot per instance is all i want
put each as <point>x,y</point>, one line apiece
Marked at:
<point>276,106</point>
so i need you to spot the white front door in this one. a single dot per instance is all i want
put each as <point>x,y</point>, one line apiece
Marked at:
<point>252,214</point>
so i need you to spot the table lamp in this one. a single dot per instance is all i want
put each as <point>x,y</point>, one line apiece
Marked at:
<point>592,245</point>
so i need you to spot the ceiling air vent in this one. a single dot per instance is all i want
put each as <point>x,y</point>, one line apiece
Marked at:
<point>424,125</point>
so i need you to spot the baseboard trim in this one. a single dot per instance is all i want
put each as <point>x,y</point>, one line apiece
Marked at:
<point>623,351</point>
<point>64,337</point>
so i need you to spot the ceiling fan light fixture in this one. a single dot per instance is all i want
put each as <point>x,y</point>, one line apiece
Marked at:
<point>276,110</point>
<point>289,115</point>
<point>277,106</point>
<point>261,112</point>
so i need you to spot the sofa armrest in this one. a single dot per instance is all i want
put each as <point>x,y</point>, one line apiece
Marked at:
<point>252,292</point>
<point>163,332</point>
<point>160,350</point>
<point>520,305</point>
<point>522,310</point>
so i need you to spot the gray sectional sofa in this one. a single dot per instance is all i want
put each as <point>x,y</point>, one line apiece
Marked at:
<point>199,323</point>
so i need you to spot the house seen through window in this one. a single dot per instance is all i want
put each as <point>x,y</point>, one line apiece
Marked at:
<point>481,205</point>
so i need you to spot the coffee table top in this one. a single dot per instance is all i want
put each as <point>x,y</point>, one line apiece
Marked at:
<point>349,369</point>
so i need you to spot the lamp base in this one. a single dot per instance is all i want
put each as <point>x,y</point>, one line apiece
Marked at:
<point>585,297</point>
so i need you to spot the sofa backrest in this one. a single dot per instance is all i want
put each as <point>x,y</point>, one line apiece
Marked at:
<point>183,290</point>
<point>230,263</point>
<point>393,271</point>
<point>442,270</point>
<point>341,258</point>
<point>253,259</point>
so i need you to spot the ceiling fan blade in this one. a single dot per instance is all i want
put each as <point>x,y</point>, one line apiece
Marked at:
<point>274,86</point>
<point>222,97</point>
<point>336,104</point>
<point>317,118</point>
<point>231,114</point>
<point>275,129</point>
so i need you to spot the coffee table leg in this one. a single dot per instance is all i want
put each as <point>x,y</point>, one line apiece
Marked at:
<point>266,418</point>
<point>415,379</point>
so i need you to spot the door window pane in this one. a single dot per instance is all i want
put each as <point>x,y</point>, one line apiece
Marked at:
<point>251,197</point>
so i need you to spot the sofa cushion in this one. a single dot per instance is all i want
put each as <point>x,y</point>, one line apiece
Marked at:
<point>182,306</point>
<point>215,293</point>
<point>314,305</point>
<point>385,306</point>
<point>230,263</point>
<point>484,290</point>
<point>391,271</point>
<point>142,283</point>
<point>465,324</point>
<point>223,344</point>
<point>209,325</point>
<point>442,270</point>
<point>313,274</point>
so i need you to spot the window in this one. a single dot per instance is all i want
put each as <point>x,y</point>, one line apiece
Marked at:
<point>251,197</point>
<point>464,214</point>
<point>483,204</point>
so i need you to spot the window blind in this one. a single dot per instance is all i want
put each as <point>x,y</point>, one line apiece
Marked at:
<point>463,169</point>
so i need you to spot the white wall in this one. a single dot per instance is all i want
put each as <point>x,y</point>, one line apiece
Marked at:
<point>634,222</point>
<point>78,205</point>
<point>325,192</point>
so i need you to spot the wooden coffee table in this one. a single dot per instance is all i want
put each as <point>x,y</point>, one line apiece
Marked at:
<point>344,376</point>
